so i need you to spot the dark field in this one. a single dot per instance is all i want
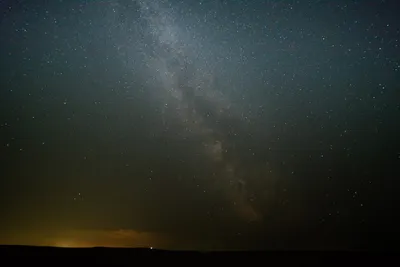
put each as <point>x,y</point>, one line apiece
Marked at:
<point>131,256</point>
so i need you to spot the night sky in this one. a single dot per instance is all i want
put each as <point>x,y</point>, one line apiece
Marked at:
<point>200,124</point>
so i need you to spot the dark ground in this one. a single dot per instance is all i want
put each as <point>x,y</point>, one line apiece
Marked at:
<point>130,256</point>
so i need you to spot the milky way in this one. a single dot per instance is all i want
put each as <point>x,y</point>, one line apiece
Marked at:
<point>193,96</point>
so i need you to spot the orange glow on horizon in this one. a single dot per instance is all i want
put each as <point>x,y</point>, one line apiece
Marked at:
<point>70,244</point>
<point>106,238</point>
<point>87,238</point>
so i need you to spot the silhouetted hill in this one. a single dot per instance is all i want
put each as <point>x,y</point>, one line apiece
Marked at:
<point>130,256</point>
